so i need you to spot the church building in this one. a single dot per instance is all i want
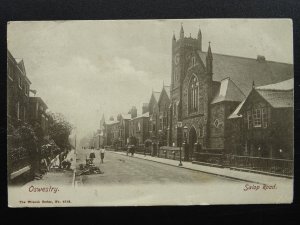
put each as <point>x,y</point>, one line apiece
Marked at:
<point>207,87</point>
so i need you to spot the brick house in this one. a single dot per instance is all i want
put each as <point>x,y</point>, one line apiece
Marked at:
<point>139,128</point>
<point>111,132</point>
<point>207,87</point>
<point>18,86</point>
<point>124,120</point>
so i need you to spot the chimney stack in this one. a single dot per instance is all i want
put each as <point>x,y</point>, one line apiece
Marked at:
<point>145,108</point>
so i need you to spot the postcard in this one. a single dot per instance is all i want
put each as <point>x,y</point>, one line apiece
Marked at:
<point>150,112</point>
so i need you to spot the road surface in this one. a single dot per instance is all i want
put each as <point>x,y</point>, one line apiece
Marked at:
<point>122,169</point>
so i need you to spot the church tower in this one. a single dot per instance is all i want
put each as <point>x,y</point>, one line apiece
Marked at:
<point>181,52</point>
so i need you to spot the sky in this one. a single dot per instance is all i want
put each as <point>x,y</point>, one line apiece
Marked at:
<point>84,69</point>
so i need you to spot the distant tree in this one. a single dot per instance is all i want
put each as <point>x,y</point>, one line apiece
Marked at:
<point>60,130</point>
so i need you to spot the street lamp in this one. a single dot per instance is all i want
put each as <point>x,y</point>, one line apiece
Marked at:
<point>179,129</point>
<point>185,130</point>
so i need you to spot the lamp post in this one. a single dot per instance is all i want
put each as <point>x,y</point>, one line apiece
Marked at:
<point>185,129</point>
<point>159,141</point>
<point>179,140</point>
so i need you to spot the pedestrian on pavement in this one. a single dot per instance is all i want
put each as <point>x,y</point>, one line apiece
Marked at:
<point>61,158</point>
<point>102,151</point>
<point>92,155</point>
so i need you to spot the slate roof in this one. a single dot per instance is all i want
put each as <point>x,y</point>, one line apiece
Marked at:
<point>243,71</point>
<point>145,115</point>
<point>19,63</point>
<point>284,85</point>
<point>168,90</point>
<point>156,95</point>
<point>234,114</point>
<point>126,116</point>
<point>228,91</point>
<point>109,122</point>
<point>278,98</point>
<point>278,95</point>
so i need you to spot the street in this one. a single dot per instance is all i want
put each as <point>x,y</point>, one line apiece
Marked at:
<point>122,169</point>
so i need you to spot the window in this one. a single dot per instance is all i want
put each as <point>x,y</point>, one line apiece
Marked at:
<point>216,123</point>
<point>249,119</point>
<point>9,72</point>
<point>18,110</point>
<point>139,126</point>
<point>20,82</point>
<point>174,109</point>
<point>26,89</point>
<point>193,94</point>
<point>24,114</point>
<point>264,112</point>
<point>193,61</point>
<point>257,117</point>
<point>201,128</point>
<point>175,75</point>
<point>161,124</point>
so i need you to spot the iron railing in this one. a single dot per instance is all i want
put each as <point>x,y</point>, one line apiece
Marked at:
<point>269,165</point>
<point>276,166</point>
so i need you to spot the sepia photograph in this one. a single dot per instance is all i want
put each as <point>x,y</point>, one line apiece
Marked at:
<point>150,112</point>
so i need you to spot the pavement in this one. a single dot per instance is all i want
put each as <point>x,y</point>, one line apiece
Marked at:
<point>223,172</point>
<point>57,176</point>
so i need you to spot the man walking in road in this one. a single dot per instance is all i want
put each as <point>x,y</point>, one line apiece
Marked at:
<point>102,151</point>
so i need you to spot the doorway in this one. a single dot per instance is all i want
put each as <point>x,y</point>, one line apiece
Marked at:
<point>192,140</point>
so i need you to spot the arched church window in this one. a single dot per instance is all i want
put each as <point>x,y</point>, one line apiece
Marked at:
<point>174,108</point>
<point>193,96</point>
<point>175,75</point>
<point>201,129</point>
<point>193,61</point>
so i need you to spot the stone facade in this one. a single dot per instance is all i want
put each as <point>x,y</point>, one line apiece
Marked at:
<point>187,66</point>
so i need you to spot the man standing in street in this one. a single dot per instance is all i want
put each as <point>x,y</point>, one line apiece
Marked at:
<point>102,151</point>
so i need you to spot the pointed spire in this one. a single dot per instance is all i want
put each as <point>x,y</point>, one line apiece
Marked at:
<point>174,38</point>
<point>199,33</point>
<point>253,84</point>
<point>209,54</point>
<point>181,32</point>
